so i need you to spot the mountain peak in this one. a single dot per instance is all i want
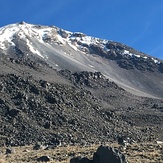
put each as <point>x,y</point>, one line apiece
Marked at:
<point>76,40</point>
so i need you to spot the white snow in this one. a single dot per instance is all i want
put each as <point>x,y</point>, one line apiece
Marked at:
<point>155,61</point>
<point>86,40</point>
<point>73,46</point>
<point>7,36</point>
<point>145,57</point>
<point>138,56</point>
<point>34,51</point>
<point>60,39</point>
<point>25,30</point>
<point>130,54</point>
<point>126,52</point>
<point>91,66</point>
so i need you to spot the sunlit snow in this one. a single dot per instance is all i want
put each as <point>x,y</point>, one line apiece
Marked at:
<point>76,41</point>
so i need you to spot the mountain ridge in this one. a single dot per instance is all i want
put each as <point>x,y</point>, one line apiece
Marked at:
<point>76,51</point>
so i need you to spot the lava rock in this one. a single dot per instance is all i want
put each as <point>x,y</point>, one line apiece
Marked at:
<point>13,112</point>
<point>44,159</point>
<point>37,146</point>
<point>106,154</point>
<point>10,150</point>
<point>80,160</point>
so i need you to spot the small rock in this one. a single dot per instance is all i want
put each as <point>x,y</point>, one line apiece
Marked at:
<point>26,150</point>
<point>80,160</point>
<point>121,140</point>
<point>10,151</point>
<point>44,159</point>
<point>13,112</point>
<point>159,142</point>
<point>37,146</point>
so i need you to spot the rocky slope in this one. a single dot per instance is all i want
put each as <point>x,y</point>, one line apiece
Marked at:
<point>69,88</point>
<point>68,107</point>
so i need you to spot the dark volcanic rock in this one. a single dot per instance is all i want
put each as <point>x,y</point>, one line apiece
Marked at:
<point>13,112</point>
<point>37,146</point>
<point>74,107</point>
<point>108,155</point>
<point>161,67</point>
<point>44,159</point>
<point>10,150</point>
<point>104,154</point>
<point>80,160</point>
<point>39,111</point>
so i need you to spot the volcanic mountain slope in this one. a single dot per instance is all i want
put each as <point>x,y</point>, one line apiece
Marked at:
<point>51,89</point>
<point>135,71</point>
<point>40,104</point>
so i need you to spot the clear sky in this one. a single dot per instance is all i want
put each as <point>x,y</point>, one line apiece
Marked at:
<point>137,23</point>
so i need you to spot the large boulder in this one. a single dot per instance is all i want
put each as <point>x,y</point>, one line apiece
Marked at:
<point>103,154</point>
<point>106,154</point>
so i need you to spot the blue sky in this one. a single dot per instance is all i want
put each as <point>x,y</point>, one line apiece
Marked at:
<point>137,23</point>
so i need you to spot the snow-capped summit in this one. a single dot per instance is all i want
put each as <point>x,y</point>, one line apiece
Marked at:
<point>51,35</point>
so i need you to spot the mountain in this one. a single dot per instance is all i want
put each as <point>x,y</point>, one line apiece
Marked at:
<point>57,85</point>
<point>137,72</point>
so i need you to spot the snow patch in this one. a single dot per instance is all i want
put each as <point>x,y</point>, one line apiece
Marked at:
<point>60,39</point>
<point>91,66</point>
<point>145,57</point>
<point>138,56</point>
<point>155,61</point>
<point>126,52</point>
<point>73,46</point>
<point>34,51</point>
<point>86,40</point>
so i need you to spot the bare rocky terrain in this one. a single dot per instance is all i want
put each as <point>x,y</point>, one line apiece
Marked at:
<point>60,88</point>
<point>71,108</point>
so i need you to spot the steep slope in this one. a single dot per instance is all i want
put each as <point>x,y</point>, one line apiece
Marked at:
<point>59,86</point>
<point>136,72</point>
<point>40,104</point>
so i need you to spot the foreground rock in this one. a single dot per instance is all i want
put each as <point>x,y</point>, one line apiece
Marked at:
<point>10,151</point>
<point>44,159</point>
<point>103,154</point>
<point>80,160</point>
<point>106,154</point>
